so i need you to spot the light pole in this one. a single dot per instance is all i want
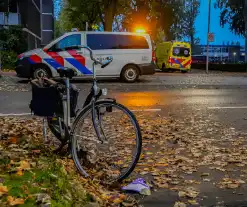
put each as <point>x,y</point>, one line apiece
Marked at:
<point>209,13</point>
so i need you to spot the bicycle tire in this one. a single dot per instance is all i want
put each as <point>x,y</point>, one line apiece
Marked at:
<point>138,136</point>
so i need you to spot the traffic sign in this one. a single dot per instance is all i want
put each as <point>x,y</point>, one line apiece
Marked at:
<point>211,37</point>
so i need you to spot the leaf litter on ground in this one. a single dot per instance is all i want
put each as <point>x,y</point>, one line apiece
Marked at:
<point>172,149</point>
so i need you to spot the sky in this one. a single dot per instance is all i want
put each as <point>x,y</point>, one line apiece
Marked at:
<point>220,34</point>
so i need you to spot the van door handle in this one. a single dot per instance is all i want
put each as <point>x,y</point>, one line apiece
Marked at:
<point>79,52</point>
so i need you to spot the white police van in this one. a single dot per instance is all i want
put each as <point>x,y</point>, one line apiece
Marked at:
<point>131,52</point>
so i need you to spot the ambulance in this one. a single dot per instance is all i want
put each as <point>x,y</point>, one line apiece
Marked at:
<point>131,53</point>
<point>173,55</point>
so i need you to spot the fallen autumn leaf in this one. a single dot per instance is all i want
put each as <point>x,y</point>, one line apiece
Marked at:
<point>3,190</point>
<point>15,201</point>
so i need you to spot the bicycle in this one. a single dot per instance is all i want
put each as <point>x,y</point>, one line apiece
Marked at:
<point>60,123</point>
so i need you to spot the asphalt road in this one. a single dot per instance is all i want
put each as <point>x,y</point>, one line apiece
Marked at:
<point>216,97</point>
<point>228,105</point>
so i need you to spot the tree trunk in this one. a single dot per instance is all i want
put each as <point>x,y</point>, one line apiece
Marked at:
<point>109,13</point>
<point>245,20</point>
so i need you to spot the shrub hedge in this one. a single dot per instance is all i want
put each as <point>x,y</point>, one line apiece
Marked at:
<point>8,59</point>
<point>229,67</point>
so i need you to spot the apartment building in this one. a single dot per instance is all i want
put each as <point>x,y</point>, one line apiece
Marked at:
<point>35,16</point>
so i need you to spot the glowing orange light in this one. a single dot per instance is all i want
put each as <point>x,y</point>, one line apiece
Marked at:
<point>140,30</point>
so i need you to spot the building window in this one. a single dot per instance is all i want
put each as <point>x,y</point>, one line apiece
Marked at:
<point>13,6</point>
<point>8,6</point>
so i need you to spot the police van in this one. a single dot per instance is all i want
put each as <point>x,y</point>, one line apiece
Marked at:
<point>131,53</point>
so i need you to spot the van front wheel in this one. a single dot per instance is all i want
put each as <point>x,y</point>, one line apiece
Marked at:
<point>130,74</point>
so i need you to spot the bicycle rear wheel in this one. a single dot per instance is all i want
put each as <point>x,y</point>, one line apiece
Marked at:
<point>103,160</point>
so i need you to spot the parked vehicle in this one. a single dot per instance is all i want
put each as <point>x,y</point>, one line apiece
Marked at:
<point>173,55</point>
<point>131,52</point>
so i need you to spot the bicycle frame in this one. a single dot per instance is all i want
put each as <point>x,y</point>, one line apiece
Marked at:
<point>92,97</point>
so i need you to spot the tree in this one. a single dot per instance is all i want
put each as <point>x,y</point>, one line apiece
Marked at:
<point>234,13</point>
<point>76,13</point>
<point>158,17</point>
<point>191,11</point>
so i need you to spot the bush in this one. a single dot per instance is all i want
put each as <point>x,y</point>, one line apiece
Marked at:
<point>8,59</point>
<point>12,43</point>
<point>13,39</point>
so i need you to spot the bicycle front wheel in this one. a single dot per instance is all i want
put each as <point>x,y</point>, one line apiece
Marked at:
<point>114,156</point>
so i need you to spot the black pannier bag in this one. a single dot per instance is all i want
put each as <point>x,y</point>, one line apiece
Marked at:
<point>47,98</point>
<point>44,100</point>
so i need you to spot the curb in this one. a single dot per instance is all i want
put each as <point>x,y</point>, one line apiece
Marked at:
<point>7,73</point>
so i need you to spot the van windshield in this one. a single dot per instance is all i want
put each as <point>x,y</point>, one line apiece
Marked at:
<point>181,51</point>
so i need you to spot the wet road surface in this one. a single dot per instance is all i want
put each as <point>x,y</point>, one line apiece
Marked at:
<point>228,105</point>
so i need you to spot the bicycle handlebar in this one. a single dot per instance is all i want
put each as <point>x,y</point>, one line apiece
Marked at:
<point>91,53</point>
<point>107,62</point>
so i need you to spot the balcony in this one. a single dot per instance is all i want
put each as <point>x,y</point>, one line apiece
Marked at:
<point>11,19</point>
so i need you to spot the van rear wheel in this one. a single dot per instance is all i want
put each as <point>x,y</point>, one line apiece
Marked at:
<point>130,74</point>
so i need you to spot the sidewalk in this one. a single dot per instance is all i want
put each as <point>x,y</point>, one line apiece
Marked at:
<point>8,73</point>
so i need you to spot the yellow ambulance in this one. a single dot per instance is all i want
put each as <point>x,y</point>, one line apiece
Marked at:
<point>173,55</point>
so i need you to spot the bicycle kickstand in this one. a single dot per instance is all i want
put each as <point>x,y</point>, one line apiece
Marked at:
<point>44,130</point>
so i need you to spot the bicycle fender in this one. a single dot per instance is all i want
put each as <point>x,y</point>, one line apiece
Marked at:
<point>111,99</point>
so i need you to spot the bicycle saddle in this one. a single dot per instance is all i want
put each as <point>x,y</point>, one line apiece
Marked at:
<point>66,72</point>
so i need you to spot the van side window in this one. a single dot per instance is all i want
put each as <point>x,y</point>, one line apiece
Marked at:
<point>68,41</point>
<point>116,41</point>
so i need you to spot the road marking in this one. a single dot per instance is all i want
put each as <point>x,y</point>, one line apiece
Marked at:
<point>151,110</point>
<point>28,114</point>
<point>23,114</point>
<point>228,107</point>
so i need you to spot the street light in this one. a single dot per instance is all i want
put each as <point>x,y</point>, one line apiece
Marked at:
<point>234,55</point>
<point>140,30</point>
